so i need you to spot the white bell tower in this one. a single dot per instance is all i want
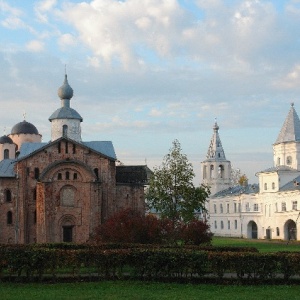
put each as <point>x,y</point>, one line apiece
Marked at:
<point>216,170</point>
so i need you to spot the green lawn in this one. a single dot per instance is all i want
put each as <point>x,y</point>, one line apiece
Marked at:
<point>261,245</point>
<point>131,290</point>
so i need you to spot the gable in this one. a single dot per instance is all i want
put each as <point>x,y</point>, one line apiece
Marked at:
<point>104,148</point>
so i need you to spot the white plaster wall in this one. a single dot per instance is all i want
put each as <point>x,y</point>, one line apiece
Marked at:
<point>19,139</point>
<point>10,147</point>
<point>74,129</point>
<point>269,214</point>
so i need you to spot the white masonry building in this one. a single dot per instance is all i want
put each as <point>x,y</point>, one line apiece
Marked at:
<point>269,210</point>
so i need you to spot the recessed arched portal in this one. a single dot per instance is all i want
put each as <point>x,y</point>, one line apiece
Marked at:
<point>252,230</point>
<point>67,225</point>
<point>290,230</point>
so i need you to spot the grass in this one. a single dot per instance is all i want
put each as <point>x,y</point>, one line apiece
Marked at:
<point>261,245</point>
<point>136,290</point>
<point>114,290</point>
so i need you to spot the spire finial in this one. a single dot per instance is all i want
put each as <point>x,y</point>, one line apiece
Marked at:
<point>24,116</point>
<point>216,126</point>
<point>65,69</point>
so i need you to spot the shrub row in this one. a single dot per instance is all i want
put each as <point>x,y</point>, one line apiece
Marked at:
<point>111,246</point>
<point>37,262</point>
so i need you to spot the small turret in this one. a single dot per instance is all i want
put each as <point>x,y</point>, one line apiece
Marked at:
<point>65,120</point>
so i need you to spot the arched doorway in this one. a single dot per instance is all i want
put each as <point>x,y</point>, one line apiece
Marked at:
<point>290,230</point>
<point>67,226</point>
<point>252,230</point>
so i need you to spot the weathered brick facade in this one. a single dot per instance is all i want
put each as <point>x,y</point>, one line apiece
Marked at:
<point>62,195</point>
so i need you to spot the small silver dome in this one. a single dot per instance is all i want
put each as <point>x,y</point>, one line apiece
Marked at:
<point>65,91</point>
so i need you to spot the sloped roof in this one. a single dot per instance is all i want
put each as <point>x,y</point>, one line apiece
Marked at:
<point>28,148</point>
<point>65,113</point>
<point>293,185</point>
<point>238,190</point>
<point>133,174</point>
<point>278,169</point>
<point>7,168</point>
<point>105,148</point>
<point>290,131</point>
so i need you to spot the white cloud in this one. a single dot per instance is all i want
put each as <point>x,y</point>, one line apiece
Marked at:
<point>6,8</point>
<point>13,23</point>
<point>155,112</point>
<point>114,29</point>
<point>290,80</point>
<point>42,8</point>
<point>35,46</point>
<point>66,40</point>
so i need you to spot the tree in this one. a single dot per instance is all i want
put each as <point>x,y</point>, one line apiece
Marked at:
<point>171,190</point>
<point>243,180</point>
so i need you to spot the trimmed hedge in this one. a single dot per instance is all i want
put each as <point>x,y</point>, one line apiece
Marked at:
<point>108,261</point>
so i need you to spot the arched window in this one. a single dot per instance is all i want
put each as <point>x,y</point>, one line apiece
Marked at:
<point>65,130</point>
<point>265,186</point>
<point>221,208</point>
<point>221,171</point>
<point>36,173</point>
<point>222,225</point>
<point>289,160</point>
<point>235,224</point>
<point>75,176</point>
<point>67,175</point>
<point>74,148</point>
<point>9,218</point>
<point>59,147</point>
<point>278,161</point>
<point>96,171</point>
<point>211,171</point>
<point>59,176</point>
<point>204,172</point>
<point>215,208</point>
<point>228,224</point>
<point>6,154</point>
<point>277,231</point>
<point>7,195</point>
<point>67,147</point>
<point>273,185</point>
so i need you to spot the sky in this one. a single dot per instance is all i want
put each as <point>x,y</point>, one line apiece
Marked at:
<point>147,72</point>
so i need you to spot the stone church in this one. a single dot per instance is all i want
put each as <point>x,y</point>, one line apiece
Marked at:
<point>62,190</point>
<point>268,210</point>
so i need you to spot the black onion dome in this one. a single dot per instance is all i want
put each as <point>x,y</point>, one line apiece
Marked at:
<point>5,140</point>
<point>24,127</point>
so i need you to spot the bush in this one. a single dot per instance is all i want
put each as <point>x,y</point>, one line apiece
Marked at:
<point>195,232</point>
<point>129,226</point>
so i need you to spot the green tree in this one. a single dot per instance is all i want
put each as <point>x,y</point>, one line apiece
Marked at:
<point>171,190</point>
